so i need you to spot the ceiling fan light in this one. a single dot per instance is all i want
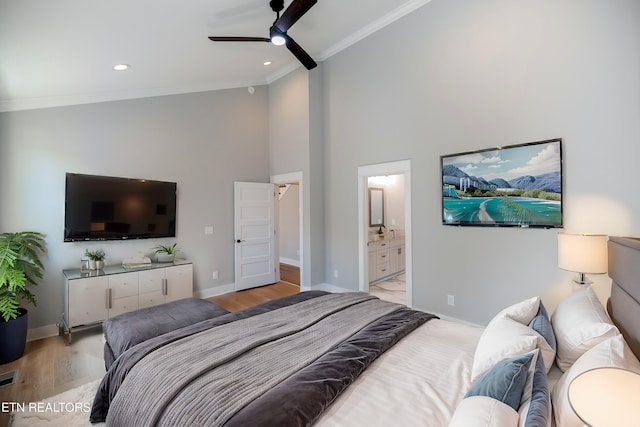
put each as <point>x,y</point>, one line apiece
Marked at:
<point>278,40</point>
<point>276,36</point>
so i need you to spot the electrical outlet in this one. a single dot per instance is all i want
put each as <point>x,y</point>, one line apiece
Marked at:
<point>451,300</point>
<point>335,273</point>
<point>208,229</point>
<point>215,275</point>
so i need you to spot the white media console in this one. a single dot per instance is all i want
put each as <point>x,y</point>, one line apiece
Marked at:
<point>90,297</point>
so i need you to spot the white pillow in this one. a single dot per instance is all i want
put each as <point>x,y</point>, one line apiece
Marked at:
<point>522,312</point>
<point>483,411</point>
<point>504,338</point>
<point>613,352</point>
<point>579,322</point>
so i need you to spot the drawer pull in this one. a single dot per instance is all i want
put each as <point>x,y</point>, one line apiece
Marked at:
<point>164,286</point>
<point>108,296</point>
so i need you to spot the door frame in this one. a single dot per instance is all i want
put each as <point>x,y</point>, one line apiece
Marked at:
<point>287,178</point>
<point>402,167</point>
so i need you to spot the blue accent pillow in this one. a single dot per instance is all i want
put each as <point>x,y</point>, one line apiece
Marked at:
<point>542,325</point>
<point>505,381</point>
<point>539,412</point>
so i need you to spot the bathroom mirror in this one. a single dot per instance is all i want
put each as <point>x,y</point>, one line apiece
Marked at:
<point>376,206</point>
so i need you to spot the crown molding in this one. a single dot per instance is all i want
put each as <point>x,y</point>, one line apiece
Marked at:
<point>376,25</point>
<point>21,104</point>
<point>283,72</point>
<point>352,39</point>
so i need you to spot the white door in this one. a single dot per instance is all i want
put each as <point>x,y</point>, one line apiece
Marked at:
<point>255,239</point>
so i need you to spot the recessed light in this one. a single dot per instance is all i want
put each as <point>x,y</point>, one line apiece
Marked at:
<point>121,67</point>
<point>267,63</point>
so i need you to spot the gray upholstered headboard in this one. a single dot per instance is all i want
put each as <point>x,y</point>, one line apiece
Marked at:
<point>624,304</point>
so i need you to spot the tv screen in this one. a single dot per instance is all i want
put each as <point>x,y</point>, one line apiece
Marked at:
<point>514,186</point>
<point>111,208</point>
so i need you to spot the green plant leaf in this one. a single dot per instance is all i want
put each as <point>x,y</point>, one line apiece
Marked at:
<point>167,249</point>
<point>20,267</point>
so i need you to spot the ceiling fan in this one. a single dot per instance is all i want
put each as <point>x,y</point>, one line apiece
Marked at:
<point>278,31</point>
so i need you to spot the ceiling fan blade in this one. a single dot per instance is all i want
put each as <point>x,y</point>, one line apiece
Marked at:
<point>299,53</point>
<point>239,39</point>
<point>293,13</point>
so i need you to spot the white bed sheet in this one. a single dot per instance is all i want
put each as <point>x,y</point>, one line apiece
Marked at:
<point>419,381</point>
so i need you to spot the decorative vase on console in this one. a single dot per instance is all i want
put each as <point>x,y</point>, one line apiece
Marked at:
<point>96,259</point>
<point>166,253</point>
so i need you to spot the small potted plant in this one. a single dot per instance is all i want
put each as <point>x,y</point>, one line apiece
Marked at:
<point>20,266</point>
<point>166,253</point>
<point>96,259</point>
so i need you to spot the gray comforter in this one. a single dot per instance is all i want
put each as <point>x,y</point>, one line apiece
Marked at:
<point>280,367</point>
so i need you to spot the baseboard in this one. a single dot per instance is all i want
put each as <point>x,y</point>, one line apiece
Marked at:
<point>330,288</point>
<point>290,261</point>
<point>214,291</point>
<point>452,319</point>
<point>305,288</point>
<point>337,289</point>
<point>42,332</point>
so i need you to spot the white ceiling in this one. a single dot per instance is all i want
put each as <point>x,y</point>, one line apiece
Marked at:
<point>61,52</point>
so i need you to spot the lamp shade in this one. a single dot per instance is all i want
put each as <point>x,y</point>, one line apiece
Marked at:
<point>582,253</point>
<point>604,397</point>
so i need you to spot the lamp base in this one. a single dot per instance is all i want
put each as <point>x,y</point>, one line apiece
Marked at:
<point>582,279</point>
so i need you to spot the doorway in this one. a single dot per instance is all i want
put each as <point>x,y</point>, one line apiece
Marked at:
<point>386,238</point>
<point>291,236</point>
<point>289,232</point>
<point>401,227</point>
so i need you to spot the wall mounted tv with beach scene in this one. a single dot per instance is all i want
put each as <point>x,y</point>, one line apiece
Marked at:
<point>511,186</point>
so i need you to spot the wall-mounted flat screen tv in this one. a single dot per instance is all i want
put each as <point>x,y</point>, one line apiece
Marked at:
<point>512,186</point>
<point>111,208</point>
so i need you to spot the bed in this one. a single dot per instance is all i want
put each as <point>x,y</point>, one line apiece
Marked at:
<point>126,330</point>
<point>352,360</point>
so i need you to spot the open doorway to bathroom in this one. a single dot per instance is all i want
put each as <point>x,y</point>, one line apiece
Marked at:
<point>384,196</point>
<point>386,260</point>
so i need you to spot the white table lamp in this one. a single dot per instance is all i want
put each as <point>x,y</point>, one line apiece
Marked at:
<point>606,397</point>
<point>582,253</point>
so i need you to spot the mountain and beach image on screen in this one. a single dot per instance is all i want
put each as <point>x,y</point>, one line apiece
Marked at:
<point>517,186</point>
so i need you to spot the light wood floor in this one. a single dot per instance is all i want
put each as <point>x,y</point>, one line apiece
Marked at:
<point>235,301</point>
<point>290,273</point>
<point>50,367</point>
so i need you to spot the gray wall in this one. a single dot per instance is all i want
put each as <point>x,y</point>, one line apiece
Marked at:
<point>452,76</point>
<point>296,131</point>
<point>289,123</point>
<point>463,75</point>
<point>201,141</point>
